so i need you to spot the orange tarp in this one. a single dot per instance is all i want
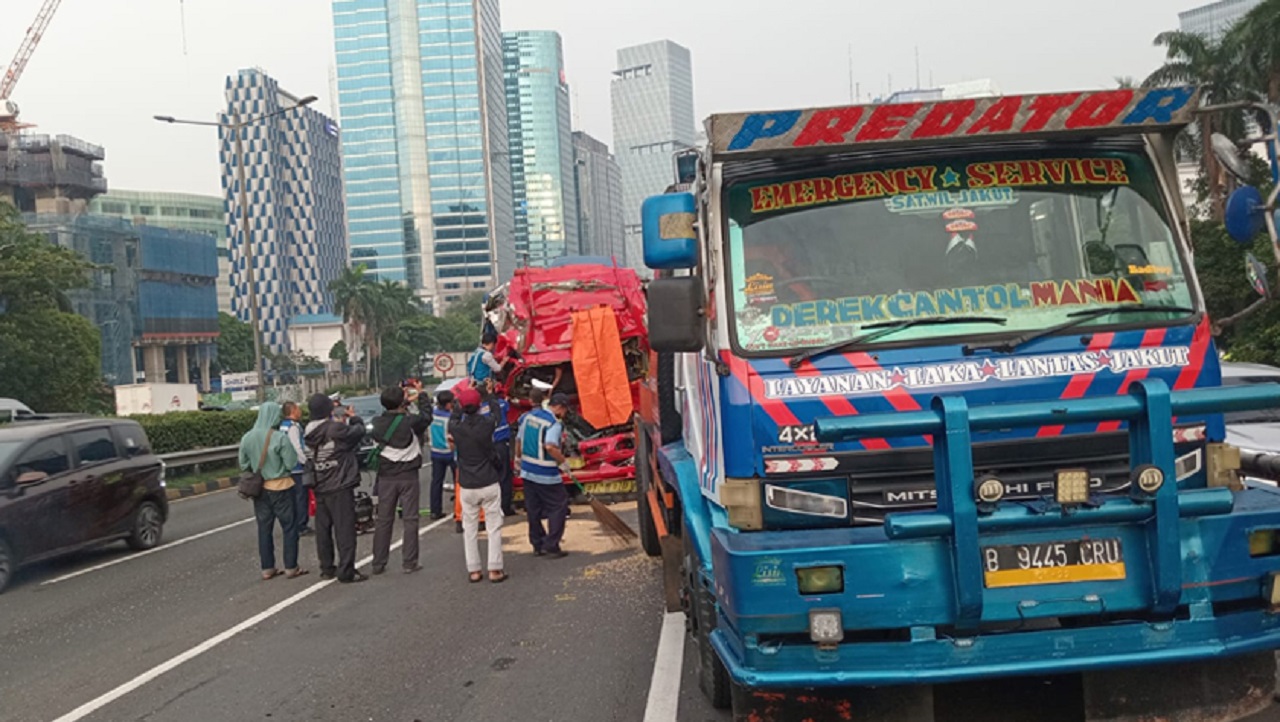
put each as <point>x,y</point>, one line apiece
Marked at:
<point>604,393</point>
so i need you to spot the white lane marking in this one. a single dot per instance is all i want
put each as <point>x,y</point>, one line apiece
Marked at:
<point>139,555</point>
<point>664,687</point>
<point>98,703</point>
<point>205,495</point>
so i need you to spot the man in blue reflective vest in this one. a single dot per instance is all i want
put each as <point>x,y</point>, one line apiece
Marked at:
<point>442,462</point>
<point>545,496</point>
<point>502,445</point>
<point>482,367</point>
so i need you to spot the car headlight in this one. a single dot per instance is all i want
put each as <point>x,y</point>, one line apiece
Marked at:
<point>805,502</point>
<point>820,580</point>
<point>1072,486</point>
<point>826,627</point>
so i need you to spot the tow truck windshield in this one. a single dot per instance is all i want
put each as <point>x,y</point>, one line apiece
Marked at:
<point>823,258</point>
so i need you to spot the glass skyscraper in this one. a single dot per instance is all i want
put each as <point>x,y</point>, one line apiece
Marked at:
<point>599,184</point>
<point>428,185</point>
<point>1213,20</point>
<point>652,118</point>
<point>546,199</point>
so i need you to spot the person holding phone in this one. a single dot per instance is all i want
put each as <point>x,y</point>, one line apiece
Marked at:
<point>332,441</point>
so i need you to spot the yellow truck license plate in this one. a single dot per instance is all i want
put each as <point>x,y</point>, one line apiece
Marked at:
<point>624,486</point>
<point>1077,560</point>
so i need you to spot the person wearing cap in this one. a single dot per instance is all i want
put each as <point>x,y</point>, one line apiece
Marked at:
<point>332,445</point>
<point>442,461</point>
<point>545,496</point>
<point>479,477</point>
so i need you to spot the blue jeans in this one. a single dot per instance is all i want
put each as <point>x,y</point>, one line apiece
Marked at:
<point>301,502</point>
<point>268,508</point>
<point>439,469</point>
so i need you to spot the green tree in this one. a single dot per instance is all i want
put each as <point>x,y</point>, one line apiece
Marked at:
<point>1257,35</point>
<point>1218,69</point>
<point>339,353</point>
<point>235,344</point>
<point>51,358</point>
<point>355,298</point>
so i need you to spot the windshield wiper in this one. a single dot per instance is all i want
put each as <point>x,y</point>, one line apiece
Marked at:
<point>884,328</point>
<point>1077,318</point>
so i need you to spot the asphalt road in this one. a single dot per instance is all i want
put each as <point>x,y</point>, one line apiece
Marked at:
<point>190,632</point>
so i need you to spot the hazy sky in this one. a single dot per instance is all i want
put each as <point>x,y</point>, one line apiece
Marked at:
<point>106,66</point>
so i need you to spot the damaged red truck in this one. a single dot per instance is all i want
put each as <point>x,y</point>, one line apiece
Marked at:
<point>534,315</point>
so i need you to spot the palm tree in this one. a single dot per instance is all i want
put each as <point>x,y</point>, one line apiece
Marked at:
<point>1217,68</point>
<point>355,296</point>
<point>1257,35</point>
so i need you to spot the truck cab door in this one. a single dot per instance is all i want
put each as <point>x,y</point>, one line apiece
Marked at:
<point>36,493</point>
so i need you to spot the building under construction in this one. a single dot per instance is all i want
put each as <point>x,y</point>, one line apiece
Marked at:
<point>50,174</point>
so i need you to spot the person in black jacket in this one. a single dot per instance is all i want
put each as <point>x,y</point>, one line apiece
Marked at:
<point>398,434</point>
<point>332,445</point>
<point>479,476</point>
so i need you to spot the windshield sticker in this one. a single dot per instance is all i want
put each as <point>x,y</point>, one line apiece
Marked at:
<point>923,202</point>
<point>759,290</point>
<point>965,373</point>
<point>988,183</point>
<point>951,302</point>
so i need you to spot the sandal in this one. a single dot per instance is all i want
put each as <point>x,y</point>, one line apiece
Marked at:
<point>295,573</point>
<point>475,577</point>
<point>269,574</point>
<point>502,577</point>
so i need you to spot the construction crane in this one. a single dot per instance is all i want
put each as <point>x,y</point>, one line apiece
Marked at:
<point>8,108</point>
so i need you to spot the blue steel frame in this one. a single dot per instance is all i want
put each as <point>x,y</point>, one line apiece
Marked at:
<point>939,552</point>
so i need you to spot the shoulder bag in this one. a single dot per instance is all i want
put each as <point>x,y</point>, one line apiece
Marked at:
<point>250,483</point>
<point>374,459</point>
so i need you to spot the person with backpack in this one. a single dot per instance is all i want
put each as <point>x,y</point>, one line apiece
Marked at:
<point>478,479</point>
<point>442,461</point>
<point>271,456</point>
<point>291,427</point>
<point>332,446</point>
<point>397,432</point>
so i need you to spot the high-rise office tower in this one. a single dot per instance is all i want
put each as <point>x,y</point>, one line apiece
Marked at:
<point>546,200</point>
<point>652,118</point>
<point>1213,20</point>
<point>293,196</point>
<point>425,156</point>
<point>599,184</point>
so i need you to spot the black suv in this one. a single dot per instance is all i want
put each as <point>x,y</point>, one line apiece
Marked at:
<point>70,484</point>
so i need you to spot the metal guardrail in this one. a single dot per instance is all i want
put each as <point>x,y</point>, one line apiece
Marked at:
<point>199,457</point>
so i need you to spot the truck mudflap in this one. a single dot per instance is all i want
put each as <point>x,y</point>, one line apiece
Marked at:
<point>1163,577</point>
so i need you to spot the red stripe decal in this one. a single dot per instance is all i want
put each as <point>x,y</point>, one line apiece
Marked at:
<point>840,406</point>
<point>1199,345</point>
<point>899,398</point>
<point>775,408</point>
<point>1153,337</point>
<point>1079,383</point>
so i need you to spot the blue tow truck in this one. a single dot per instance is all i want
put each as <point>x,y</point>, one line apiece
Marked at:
<point>934,398</point>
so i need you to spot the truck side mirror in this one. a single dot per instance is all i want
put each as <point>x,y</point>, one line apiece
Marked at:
<point>676,314</point>
<point>670,240</point>
<point>1243,215</point>
<point>1228,154</point>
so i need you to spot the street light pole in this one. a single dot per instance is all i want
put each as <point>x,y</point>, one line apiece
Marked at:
<point>237,127</point>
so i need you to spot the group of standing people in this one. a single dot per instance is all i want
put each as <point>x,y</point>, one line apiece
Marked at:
<point>467,435</point>
<point>294,463</point>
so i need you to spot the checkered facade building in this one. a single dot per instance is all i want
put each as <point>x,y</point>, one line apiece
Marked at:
<point>294,199</point>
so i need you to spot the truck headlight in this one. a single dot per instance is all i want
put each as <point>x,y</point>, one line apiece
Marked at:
<point>805,502</point>
<point>1072,486</point>
<point>826,627</point>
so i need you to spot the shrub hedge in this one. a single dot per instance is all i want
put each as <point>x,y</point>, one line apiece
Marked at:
<point>187,430</point>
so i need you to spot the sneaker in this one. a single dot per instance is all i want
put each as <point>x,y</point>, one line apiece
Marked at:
<point>380,568</point>
<point>356,577</point>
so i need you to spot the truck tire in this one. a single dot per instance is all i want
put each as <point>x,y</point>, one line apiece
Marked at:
<point>648,531</point>
<point>669,422</point>
<point>713,678</point>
